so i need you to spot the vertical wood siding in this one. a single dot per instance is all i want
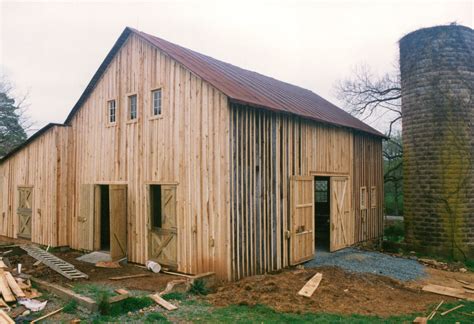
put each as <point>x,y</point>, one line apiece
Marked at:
<point>43,165</point>
<point>368,172</point>
<point>268,148</point>
<point>186,146</point>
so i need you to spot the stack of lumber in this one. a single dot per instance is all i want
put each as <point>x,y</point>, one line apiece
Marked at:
<point>12,289</point>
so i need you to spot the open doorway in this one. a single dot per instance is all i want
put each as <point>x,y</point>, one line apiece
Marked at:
<point>104,218</point>
<point>322,212</point>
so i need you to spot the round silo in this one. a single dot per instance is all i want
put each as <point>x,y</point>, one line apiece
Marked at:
<point>437,81</point>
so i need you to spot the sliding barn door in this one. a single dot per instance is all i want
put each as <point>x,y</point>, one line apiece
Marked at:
<point>163,238</point>
<point>85,219</point>
<point>342,224</point>
<point>24,212</point>
<point>118,221</point>
<point>301,219</point>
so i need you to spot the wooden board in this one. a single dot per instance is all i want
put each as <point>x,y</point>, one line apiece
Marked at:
<point>302,219</point>
<point>5,319</point>
<point>24,211</point>
<point>85,221</point>
<point>160,301</point>
<point>5,289</point>
<point>14,285</point>
<point>3,265</point>
<point>118,221</point>
<point>309,288</point>
<point>164,240</point>
<point>129,277</point>
<point>341,221</point>
<point>448,291</point>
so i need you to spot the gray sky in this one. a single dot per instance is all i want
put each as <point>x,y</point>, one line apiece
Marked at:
<point>52,49</point>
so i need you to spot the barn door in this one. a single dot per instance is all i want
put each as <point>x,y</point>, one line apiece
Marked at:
<point>163,238</point>
<point>341,229</point>
<point>24,211</point>
<point>85,219</point>
<point>118,221</point>
<point>301,219</point>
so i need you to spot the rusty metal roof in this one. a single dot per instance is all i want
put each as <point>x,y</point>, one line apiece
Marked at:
<point>242,86</point>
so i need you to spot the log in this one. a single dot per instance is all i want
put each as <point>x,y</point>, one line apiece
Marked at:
<point>67,294</point>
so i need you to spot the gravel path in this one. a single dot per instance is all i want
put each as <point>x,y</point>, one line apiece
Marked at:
<point>356,260</point>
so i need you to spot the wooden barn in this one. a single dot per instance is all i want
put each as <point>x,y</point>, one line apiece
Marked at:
<point>173,156</point>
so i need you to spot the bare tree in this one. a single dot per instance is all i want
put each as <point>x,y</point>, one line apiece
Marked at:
<point>377,100</point>
<point>14,122</point>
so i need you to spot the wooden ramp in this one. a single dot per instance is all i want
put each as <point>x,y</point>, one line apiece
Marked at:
<point>60,266</point>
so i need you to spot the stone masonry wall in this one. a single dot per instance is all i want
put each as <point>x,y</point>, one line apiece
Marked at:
<point>437,79</point>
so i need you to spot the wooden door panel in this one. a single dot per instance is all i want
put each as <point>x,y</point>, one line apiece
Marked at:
<point>85,219</point>
<point>118,221</point>
<point>342,224</point>
<point>24,211</point>
<point>301,219</point>
<point>163,241</point>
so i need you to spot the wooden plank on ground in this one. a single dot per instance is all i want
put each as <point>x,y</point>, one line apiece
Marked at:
<point>3,304</point>
<point>129,277</point>
<point>47,315</point>
<point>3,265</point>
<point>5,288</point>
<point>5,319</point>
<point>448,291</point>
<point>121,291</point>
<point>118,298</point>
<point>309,288</point>
<point>14,285</point>
<point>163,303</point>
<point>450,310</point>
<point>67,294</point>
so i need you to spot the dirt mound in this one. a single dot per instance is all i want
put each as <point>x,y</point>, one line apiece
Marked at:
<point>339,292</point>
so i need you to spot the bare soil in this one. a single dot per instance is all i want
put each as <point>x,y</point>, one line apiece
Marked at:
<point>153,282</point>
<point>339,292</point>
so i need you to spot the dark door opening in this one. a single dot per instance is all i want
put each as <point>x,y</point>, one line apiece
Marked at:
<point>322,212</point>
<point>104,218</point>
<point>155,204</point>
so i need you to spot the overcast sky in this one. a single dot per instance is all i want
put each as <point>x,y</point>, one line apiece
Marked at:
<point>51,49</point>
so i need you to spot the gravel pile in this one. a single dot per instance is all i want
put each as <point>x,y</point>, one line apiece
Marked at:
<point>355,260</point>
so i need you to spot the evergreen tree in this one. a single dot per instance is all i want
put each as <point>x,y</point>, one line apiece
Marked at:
<point>12,132</point>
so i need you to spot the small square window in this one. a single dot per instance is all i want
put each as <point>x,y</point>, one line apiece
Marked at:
<point>373,197</point>
<point>156,102</point>
<point>363,198</point>
<point>132,107</point>
<point>112,110</point>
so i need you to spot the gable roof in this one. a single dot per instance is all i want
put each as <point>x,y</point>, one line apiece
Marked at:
<point>239,85</point>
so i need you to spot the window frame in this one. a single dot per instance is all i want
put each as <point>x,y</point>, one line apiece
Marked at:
<point>152,101</point>
<point>109,123</point>
<point>373,197</point>
<point>129,106</point>
<point>363,198</point>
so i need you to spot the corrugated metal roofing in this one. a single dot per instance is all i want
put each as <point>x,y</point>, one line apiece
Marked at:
<point>242,86</point>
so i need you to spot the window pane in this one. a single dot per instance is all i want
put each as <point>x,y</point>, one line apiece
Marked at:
<point>112,111</point>
<point>132,107</point>
<point>157,102</point>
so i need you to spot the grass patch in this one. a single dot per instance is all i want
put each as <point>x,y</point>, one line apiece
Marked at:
<point>198,287</point>
<point>264,314</point>
<point>70,307</point>
<point>156,318</point>
<point>131,304</point>
<point>395,232</point>
<point>175,296</point>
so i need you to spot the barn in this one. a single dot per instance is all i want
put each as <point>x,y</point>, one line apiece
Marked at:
<point>171,155</point>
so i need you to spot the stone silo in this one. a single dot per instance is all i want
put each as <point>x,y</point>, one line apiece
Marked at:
<point>437,81</point>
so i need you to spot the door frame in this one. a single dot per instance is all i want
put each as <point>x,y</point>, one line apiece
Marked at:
<point>97,213</point>
<point>18,234</point>
<point>149,226</point>
<point>331,175</point>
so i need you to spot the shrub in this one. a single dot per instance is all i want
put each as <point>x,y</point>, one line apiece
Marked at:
<point>198,287</point>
